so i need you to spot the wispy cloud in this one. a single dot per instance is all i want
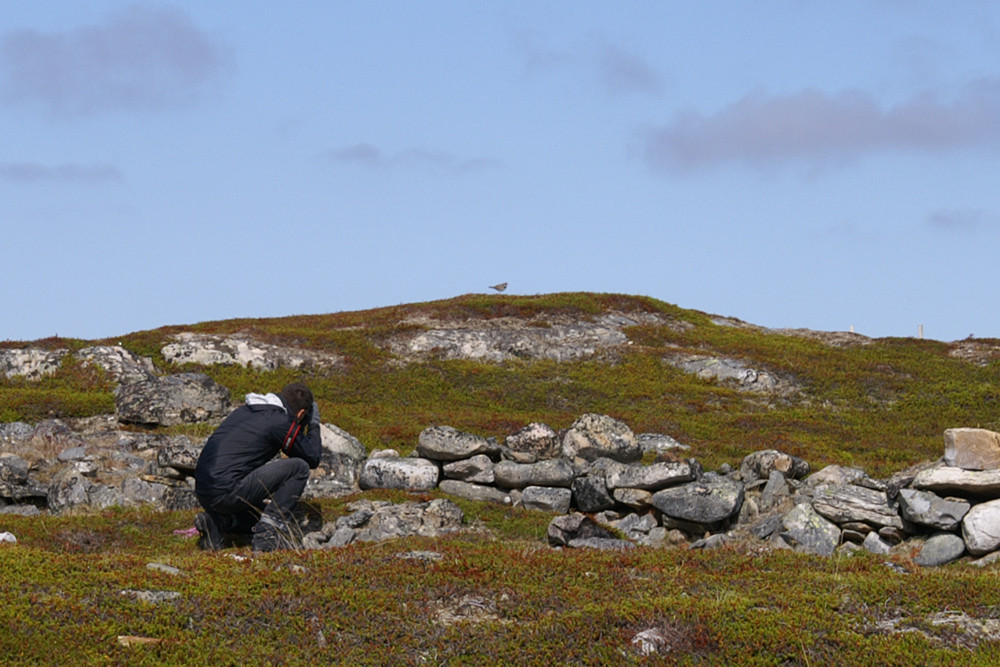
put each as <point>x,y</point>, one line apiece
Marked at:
<point>818,127</point>
<point>415,158</point>
<point>624,72</point>
<point>960,220</point>
<point>141,58</point>
<point>33,172</point>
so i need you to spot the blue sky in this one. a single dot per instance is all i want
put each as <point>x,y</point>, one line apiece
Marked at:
<point>791,163</point>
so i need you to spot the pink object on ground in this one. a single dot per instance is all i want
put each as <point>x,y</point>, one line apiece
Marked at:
<point>187,532</point>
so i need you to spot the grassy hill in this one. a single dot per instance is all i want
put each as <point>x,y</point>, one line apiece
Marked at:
<point>499,594</point>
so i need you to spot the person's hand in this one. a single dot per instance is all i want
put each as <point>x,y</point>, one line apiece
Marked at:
<point>314,419</point>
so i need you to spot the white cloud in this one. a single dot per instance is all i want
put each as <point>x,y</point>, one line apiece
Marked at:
<point>142,58</point>
<point>815,126</point>
<point>414,158</point>
<point>33,172</point>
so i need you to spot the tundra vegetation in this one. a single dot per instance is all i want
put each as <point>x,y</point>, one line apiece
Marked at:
<point>83,588</point>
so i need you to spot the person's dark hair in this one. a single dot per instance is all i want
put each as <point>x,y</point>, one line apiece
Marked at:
<point>296,396</point>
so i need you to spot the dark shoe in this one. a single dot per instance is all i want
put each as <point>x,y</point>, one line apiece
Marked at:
<point>210,535</point>
<point>269,535</point>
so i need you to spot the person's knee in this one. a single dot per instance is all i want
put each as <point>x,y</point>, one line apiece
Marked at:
<point>299,468</point>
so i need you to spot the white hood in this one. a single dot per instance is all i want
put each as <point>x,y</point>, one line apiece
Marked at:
<point>265,399</point>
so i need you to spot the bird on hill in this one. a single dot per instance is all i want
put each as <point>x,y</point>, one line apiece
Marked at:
<point>499,287</point>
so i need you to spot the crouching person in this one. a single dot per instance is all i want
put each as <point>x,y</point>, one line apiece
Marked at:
<point>237,472</point>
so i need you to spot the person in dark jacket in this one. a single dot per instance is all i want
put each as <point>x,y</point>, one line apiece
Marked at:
<point>242,486</point>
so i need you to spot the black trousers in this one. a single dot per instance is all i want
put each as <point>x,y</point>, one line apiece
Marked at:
<point>282,481</point>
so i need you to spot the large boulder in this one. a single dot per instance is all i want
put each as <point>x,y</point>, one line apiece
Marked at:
<point>708,503</point>
<point>123,366</point>
<point>534,442</point>
<point>445,443</point>
<point>949,479</point>
<point>176,399</point>
<point>649,477</point>
<point>806,530</point>
<point>413,474</point>
<point>929,509</point>
<point>842,503</point>
<point>981,528</point>
<point>30,363</point>
<point>547,499</point>
<point>595,436</point>
<point>972,448</point>
<point>552,472</point>
<point>476,492</point>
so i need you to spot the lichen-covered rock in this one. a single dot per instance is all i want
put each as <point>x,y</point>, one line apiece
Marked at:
<point>534,442</point>
<point>707,502</point>
<point>595,436</point>
<point>552,472</point>
<point>445,443</point>
<point>414,474</point>
<point>806,530</point>
<point>176,399</point>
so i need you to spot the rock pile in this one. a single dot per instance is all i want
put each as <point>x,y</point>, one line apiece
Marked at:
<point>592,475</point>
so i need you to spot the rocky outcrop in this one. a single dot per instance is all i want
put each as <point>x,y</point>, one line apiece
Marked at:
<point>242,350</point>
<point>936,513</point>
<point>176,399</point>
<point>505,338</point>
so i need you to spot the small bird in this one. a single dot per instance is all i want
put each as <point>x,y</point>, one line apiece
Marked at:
<point>499,287</point>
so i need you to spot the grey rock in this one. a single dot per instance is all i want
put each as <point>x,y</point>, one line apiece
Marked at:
<point>707,503</point>
<point>760,465</point>
<point>981,528</point>
<point>846,502</point>
<point>389,521</point>
<point>590,494</point>
<point>123,366</point>
<point>150,597</point>
<point>649,477</point>
<point>338,441</point>
<point>163,567</point>
<point>68,490</point>
<point>775,491</point>
<point>660,444</point>
<point>552,472</point>
<point>444,443</point>
<point>546,499</point>
<point>477,470</point>
<point>576,526</point>
<point>638,499</point>
<point>242,350</point>
<point>929,509</point>
<point>836,474</point>
<point>940,549</point>
<point>72,454</point>
<point>535,442</point>
<point>32,364</point>
<point>601,543</point>
<point>948,479</point>
<point>140,492</point>
<point>176,399</point>
<point>808,531</point>
<point>415,474</point>
<point>476,492</point>
<point>875,544</point>
<point>179,453</point>
<point>731,371</point>
<point>594,436</point>
<point>972,448</point>
<point>502,339</point>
